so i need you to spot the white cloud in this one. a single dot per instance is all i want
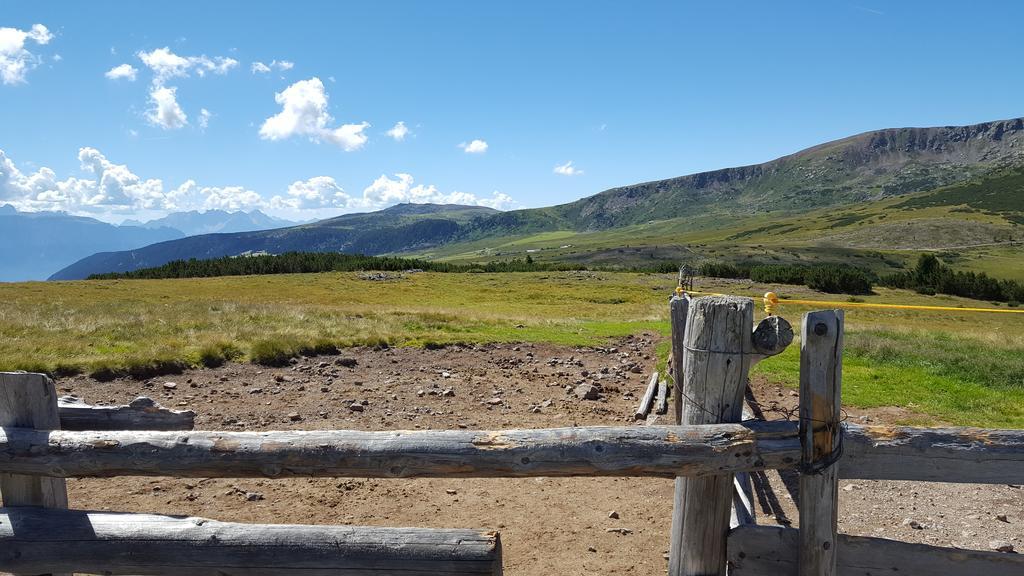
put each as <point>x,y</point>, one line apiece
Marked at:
<point>165,111</point>
<point>15,59</point>
<point>474,147</point>
<point>317,192</point>
<point>112,188</point>
<point>204,118</point>
<point>385,191</point>
<point>399,131</point>
<point>166,64</point>
<point>123,71</point>
<point>568,169</point>
<point>304,113</point>
<point>279,65</point>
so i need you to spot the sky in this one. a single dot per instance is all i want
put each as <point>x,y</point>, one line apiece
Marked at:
<point>311,109</point>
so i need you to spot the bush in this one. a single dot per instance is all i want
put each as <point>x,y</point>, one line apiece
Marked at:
<point>930,276</point>
<point>778,274</point>
<point>838,280</point>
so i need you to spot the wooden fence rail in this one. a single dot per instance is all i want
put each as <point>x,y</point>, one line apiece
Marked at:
<point>37,540</point>
<point>709,452</point>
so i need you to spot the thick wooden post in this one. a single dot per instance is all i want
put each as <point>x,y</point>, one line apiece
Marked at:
<point>717,351</point>
<point>30,401</point>
<point>821,366</point>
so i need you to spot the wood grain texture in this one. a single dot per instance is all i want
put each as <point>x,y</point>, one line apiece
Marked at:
<point>717,352</point>
<point>34,541</point>
<point>661,399</point>
<point>644,408</point>
<point>664,451</point>
<point>973,455</point>
<point>30,401</point>
<point>141,414</point>
<point>678,310</point>
<point>772,551</point>
<point>821,367</point>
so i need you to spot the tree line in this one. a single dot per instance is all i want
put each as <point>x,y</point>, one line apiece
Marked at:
<point>829,278</point>
<point>931,276</point>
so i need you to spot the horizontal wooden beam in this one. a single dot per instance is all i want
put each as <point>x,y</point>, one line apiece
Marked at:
<point>140,414</point>
<point>665,451</point>
<point>772,551</point>
<point>36,541</point>
<point>895,453</point>
<point>972,455</point>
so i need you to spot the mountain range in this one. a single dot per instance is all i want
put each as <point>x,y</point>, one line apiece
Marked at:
<point>864,199</point>
<point>33,245</point>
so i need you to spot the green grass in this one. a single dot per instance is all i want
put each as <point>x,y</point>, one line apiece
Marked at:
<point>952,367</point>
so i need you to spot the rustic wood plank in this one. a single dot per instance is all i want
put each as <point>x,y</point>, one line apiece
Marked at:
<point>821,366</point>
<point>140,414</point>
<point>644,408</point>
<point>743,510</point>
<point>661,401</point>
<point>662,451</point>
<point>679,308</point>
<point>972,455</point>
<point>30,401</point>
<point>718,348</point>
<point>772,551</point>
<point>36,540</point>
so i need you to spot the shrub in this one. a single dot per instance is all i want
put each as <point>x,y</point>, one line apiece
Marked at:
<point>838,280</point>
<point>273,352</point>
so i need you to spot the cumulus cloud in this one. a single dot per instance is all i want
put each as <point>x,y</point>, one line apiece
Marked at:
<point>317,192</point>
<point>123,71</point>
<point>474,147</point>
<point>15,59</point>
<point>399,131</point>
<point>304,113</point>
<point>385,191</point>
<point>166,64</point>
<point>112,188</point>
<point>568,169</point>
<point>164,110</point>
<point>280,65</point>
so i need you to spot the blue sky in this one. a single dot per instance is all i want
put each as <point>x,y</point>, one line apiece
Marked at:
<point>626,92</point>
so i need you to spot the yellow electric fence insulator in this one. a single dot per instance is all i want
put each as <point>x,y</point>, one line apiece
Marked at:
<point>771,301</point>
<point>680,291</point>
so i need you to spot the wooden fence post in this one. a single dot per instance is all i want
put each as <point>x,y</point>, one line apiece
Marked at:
<point>678,308</point>
<point>821,366</point>
<point>716,353</point>
<point>30,401</point>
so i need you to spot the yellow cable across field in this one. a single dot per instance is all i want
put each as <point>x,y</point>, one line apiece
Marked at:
<point>776,301</point>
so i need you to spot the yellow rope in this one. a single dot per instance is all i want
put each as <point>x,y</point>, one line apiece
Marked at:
<point>771,304</point>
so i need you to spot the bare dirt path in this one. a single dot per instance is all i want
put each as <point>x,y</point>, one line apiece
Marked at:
<point>549,526</point>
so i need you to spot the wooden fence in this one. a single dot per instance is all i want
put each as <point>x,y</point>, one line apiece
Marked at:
<point>710,452</point>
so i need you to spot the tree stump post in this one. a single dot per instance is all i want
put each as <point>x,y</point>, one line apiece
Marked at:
<point>30,401</point>
<point>715,356</point>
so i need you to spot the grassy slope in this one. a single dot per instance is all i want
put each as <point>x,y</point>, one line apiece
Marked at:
<point>956,367</point>
<point>979,224</point>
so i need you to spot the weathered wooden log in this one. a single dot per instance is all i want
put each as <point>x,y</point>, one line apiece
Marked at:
<point>140,414</point>
<point>661,451</point>
<point>972,455</point>
<point>644,408</point>
<point>718,348</point>
<point>772,551</point>
<point>661,401</point>
<point>34,541</point>
<point>821,367</point>
<point>29,400</point>
<point>679,308</point>
<point>772,335</point>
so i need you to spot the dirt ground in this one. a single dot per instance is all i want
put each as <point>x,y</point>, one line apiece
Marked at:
<point>548,525</point>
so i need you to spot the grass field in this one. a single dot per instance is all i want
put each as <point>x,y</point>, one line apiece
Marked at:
<point>955,367</point>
